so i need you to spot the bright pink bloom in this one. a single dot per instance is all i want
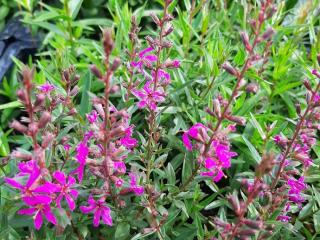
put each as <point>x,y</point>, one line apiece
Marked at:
<point>67,147</point>
<point>40,208</point>
<point>283,218</point>
<point>296,186</point>
<point>82,154</point>
<point>193,132</point>
<point>99,209</point>
<point>144,59</point>
<point>119,167</point>
<point>92,117</point>
<point>163,78</point>
<point>138,190</point>
<point>65,190</point>
<point>148,97</point>
<point>46,88</point>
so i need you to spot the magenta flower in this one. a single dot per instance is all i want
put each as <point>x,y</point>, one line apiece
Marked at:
<point>65,190</point>
<point>99,210</point>
<point>283,218</point>
<point>149,97</point>
<point>82,154</point>
<point>144,59</point>
<point>134,187</point>
<point>40,207</point>
<point>119,167</point>
<point>295,189</point>
<point>127,141</point>
<point>92,117</point>
<point>193,132</point>
<point>163,77</point>
<point>46,88</point>
<point>67,147</point>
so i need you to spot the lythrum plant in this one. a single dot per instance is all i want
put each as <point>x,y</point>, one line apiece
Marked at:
<point>163,152</point>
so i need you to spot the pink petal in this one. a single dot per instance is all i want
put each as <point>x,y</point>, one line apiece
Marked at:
<point>60,177</point>
<point>186,141</point>
<point>27,211</point>
<point>86,209</point>
<point>35,200</point>
<point>13,183</point>
<point>71,181</point>
<point>47,188</point>
<point>138,190</point>
<point>106,218</point>
<point>145,51</point>
<point>151,58</point>
<point>70,202</point>
<point>38,220</point>
<point>96,218</point>
<point>142,104</point>
<point>49,215</point>
<point>209,163</point>
<point>218,177</point>
<point>74,193</point>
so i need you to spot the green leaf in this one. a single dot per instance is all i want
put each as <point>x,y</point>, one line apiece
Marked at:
<point>122,231</point>
<point>252,149</point>
<point>85,101</point>
<point>14,104</point>
<point>74,7</point>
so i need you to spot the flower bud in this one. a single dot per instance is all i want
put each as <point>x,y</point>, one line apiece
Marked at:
<point>255,224</point>
<point>306,83</point>
<point>252,88</point>
<point>22,96</point>
<point>152,43</point>
<point>234,201</point>
<point>246,232</point>
<point>172,64</point>
<point>21,155</point>
<point>74,91</point>
<point>39,100</point>
<point>44,119</point>
<point>268,34</point>
<point>155,19</point>
<point>216,107</point>
<point>47,139</point>
<point>116,63</point>
<point>236,119</point>
<point>168,30</point>
<point>108,43</point>
<point>245,40</point>
<point>316,73</point>
<point>227,66</point>
<point>95,71</point>
<point>18,126</point>
<point>72,112</point>
<point>33,128</point>
<point>166,44</point>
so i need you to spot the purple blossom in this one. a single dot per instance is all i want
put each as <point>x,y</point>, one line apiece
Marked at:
<point>67,147</point>
<point>65,189</point>
<point>134,187</point>
<point>144,59</point>
<point>193,132</point>
<point>99,210</point>
<point>296,186</point>
<point>46,88</point>
<point>82,154</point>
<point>39,209</point>
<point>92,117</point>
<point>148,97</point>
<point>119,167</point>
<point>127,141</point>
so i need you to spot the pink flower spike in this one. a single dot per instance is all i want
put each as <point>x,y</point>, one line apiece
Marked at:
<point>138,190</point>
<point>46,88</point>
<point>99,209</point>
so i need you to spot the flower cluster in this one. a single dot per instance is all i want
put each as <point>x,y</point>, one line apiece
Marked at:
<point>214,155</point>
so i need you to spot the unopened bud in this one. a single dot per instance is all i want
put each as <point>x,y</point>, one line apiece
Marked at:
<point>66,75</point>
<point>245,40</point>
<point>166,44</point>
<point>234,201</point>
<point>247,232</point>
<point>306,83</point>
<point>268,34</point>
<point>33,128</point>
<point>216,107</point>
<point>316,73</point>
<point>227,66</point>
<point>172,64</point>
<point>21,155</point>
<point>155,19</point>
<point>44,119</point>
<point>168,30</point>
<point>116,63</point>
<point>39,100</point>
<point>238,120</point>
<point>72,112</point>
<point>22,96</point>
<point>255,224</point>
<point>108,43</point>
<point>252,88</point>
<point>151,42</point>
<point>74,91</point>
<point>18,126</point>
<point>95,71</point>
<point>47,139</point>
